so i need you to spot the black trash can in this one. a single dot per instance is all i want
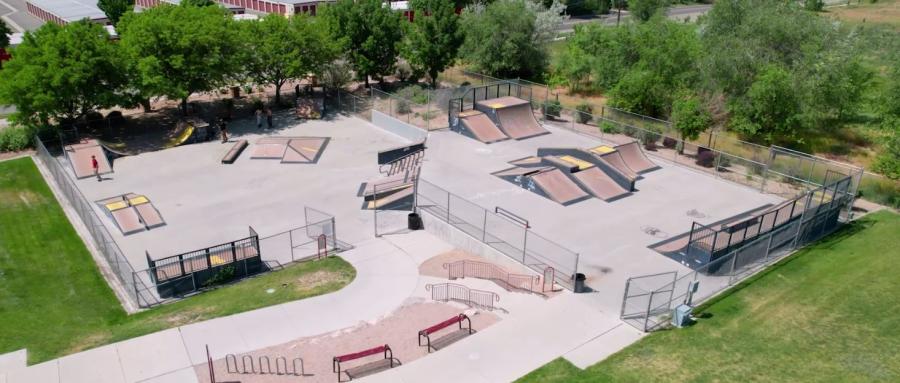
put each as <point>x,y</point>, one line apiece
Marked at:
<point>579,282</point>
<point>414,221</point>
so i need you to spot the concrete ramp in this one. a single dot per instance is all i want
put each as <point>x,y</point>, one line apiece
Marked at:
<point>599,184</point>
<point>635,158</point>
<point>578,158</point>
<point>79,156</point>
<point>514,116</point>
<point>615,160</point>
<point>558,187</point>
<point>479,126</point>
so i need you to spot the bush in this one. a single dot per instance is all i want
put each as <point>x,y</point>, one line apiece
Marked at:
<point>552,108</point>
<point>403,71</point>
<point>14,138</point>
<point>630,131</point>
<point>403,107</point>
<point>609,127</point>
<point>225,274</point>
<point>415,93</point>
<point>669,142</point>
<point>706,159</point>
<point>649,139</point>
<point>584,114</point>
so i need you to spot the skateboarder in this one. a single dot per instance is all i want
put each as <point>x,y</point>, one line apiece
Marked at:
<point>223,128</point>
<point>259,118</point>
<point>96,166</point>
<point>269,117</point>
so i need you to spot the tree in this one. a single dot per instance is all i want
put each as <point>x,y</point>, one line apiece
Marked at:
<point>284,49</point>
<point>643,10</point>
<point>5,31</point>
<point>689,117</point>
<point>434,38</point>
<point>888,161</point>
<point>198,3</point>
<point>176,51</point>
<point>114,9</point>
<point>60,73</point>
<point>769,110</point>
<point>499,40</point>
<point>814,5</point>
<point>369,32</point>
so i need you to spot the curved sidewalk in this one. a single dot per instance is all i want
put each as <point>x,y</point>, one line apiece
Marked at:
<point>386,277</point>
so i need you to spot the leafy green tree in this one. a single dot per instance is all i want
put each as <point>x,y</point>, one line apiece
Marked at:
<point>888,161</point>
<point>114,9</point>
<point>769,110</point>
<point>689,116</point>
<point>434,38</point>
<point>60,73</point>
<point>197,3</point>
<point>5,31</point>
<point>280,49</point>
<point>814,5</point>
<point>176,51</point>
<point>369,32</point>
<point>643,10</point>
<point>499,40</point>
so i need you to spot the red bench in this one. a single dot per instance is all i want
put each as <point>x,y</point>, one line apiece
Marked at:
<point>458,319</point>
<point>384,349</point>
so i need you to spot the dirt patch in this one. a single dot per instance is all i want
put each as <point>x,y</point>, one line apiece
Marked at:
<point>89,342</point>
<point>317,279</point>
<point>186,316</point>
<point>399,330</point>
<point>24,198</point>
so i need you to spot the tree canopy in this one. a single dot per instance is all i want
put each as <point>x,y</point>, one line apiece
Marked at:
<point>114,9</point>
<point>369,32</point>
<point>60,73</point>
<point>508,38</point>
<point>180,50</point>
<point>279,49</point>
<point>643,10</point>
<point>4,34</point>
<point>433,39</point>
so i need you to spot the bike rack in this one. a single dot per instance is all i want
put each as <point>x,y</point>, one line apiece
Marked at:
<point>268,365</point>
<point>244,360</point>
<point>231,368</point>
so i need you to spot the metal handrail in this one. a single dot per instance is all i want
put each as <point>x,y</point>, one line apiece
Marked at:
<point>491,272</point>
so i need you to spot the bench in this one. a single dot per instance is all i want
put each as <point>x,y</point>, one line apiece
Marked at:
<point>235,151</point>
<point>458,319</point>
<point>365,369</point>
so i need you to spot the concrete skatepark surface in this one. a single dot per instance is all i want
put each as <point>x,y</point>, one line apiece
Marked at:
<point>207,203</point>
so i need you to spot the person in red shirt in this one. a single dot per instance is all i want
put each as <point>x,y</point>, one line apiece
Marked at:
<point>96,166</point>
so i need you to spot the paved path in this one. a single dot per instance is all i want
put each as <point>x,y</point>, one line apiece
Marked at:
<point>386,276</point>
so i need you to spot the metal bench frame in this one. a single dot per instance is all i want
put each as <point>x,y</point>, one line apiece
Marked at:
<point>385,349</point>
<point>440,326</point>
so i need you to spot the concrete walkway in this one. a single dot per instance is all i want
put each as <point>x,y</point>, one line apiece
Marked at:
<point>386,276</point>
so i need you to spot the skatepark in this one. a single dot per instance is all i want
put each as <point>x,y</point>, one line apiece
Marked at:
<point>606,202</point>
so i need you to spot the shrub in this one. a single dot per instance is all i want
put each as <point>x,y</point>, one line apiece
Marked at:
<point>706,159</point>
<point>669,142</point>
<point>724,161</point>
<point>115,118</point>
<point>609,127</point>
<point>584,113</point>
<point>630,131</point>
<point>649,139</point>
<point>403,106</point>
<point>14,138</point>
<point>403,71</point>
<point>224,274</point>
<point>552,108</point>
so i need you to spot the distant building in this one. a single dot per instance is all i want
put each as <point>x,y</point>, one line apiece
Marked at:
<point>237,10</point>
<point>66,11</point>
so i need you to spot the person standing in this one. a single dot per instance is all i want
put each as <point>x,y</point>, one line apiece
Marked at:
<point>96,166</point>
<point>223,129</point>
<point>269,118</point>
<point>259,118</point>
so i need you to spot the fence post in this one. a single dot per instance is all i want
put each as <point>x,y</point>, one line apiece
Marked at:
<point>733,264</point>
<point>484,228</point>
<point>647,313</point>
<point>448,208</point>
<point>524,245</point>
<point>291,237</point>
<point>334,234</point>
<point>624,297</point>
<point>769,247</point>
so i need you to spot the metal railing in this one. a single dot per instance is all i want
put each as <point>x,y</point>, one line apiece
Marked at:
<point>135,289</point>
<point>497,231</point>
<point>493,273</point>
<point>648,300</point>
<point>446,292</point>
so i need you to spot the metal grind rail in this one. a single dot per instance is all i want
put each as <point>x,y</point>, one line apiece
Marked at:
<point>446,292</point>
<point>493,273</point>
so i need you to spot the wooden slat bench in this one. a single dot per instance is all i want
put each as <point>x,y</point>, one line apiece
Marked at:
<point>235,152</point>
<point>447,339</point>
<point>368,368</point>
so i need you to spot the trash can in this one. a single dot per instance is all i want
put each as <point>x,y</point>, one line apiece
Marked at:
<point>579,282</point>
<point>414,221</point>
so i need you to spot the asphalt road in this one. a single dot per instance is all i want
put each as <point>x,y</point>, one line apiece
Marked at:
<point>677,13</point>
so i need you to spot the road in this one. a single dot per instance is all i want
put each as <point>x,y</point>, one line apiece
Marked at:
<point>676,13</point>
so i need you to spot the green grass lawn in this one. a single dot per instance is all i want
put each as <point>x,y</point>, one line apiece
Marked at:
<point>830,313</point>
<point>53,300</point>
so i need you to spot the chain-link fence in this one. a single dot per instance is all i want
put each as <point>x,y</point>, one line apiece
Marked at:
<point>346,102</point>
<point>648,300</point>
<point>316,239</point>
<point>135,289</point>
<point>509,237</point>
